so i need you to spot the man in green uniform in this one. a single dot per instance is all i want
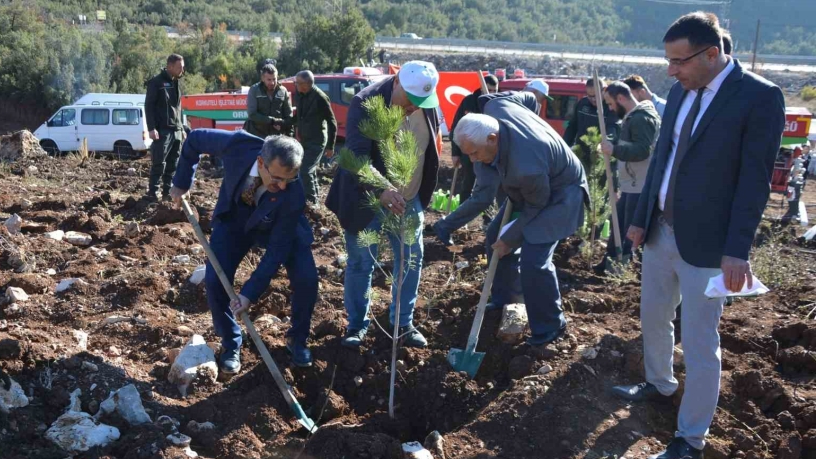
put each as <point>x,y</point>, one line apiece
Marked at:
<point>268,106</point>
<point>163,116</point>
<point>316,130</point>
<point>585,116</point>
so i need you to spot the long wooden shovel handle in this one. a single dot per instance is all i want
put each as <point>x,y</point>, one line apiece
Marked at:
<point>483,83</point>
<point>453,187</point>
<point>473,338</point>
<point>267,358</point>
<point>610,184</point>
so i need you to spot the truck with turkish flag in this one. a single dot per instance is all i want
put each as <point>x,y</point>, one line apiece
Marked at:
<point>227,110</point>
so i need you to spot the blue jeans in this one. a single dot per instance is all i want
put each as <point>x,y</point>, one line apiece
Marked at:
<point>361,267</point>
<point>230,243</point>
<point>528,276</point>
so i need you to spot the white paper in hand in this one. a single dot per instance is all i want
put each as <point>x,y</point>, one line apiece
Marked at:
<point>504,230</point>
<point>716,288</point>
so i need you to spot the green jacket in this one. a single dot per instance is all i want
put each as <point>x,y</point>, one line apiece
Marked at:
<point>584,117</point>
<point>264,111</point>
<point>315,119</point>
<point>634,146</point>
<point>163,103</point>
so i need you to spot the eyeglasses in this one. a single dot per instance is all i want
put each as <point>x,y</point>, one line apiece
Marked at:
<point>678,62</point>
<point>274,179</point>
<point>278,180</point>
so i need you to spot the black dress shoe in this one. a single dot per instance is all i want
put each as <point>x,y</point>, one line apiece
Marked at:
<point>679,449</point>
<point>546,338</point>
<point>639,392</point>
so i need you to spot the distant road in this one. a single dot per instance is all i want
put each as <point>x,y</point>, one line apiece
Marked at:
<point>579,52</point>
<point>772,62</point>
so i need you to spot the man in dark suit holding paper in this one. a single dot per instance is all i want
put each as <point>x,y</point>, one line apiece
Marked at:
<point>703,198</point>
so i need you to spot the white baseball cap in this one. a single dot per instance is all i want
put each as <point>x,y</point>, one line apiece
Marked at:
<point>419,79</point>
<point>539,85</point>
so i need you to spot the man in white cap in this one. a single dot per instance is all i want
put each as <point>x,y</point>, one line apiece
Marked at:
<point>413,89</point>
<point>540,89</point>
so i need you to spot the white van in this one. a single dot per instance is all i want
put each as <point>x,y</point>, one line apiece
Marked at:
<point>110,122</point>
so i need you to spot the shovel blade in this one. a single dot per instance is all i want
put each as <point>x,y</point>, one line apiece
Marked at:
<point>304,420</point>
<point>462,360</point>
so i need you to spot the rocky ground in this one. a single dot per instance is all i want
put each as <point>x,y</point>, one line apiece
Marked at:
<point>120,326</point>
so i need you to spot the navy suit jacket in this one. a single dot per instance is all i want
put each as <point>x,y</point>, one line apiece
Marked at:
<point>723,182</point>
<point>347,196</point>
<point>278,223</point>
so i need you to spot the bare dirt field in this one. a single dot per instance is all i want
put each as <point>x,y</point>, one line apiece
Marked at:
<point>551,402</point>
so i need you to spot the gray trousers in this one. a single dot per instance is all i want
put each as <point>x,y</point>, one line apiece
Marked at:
<point>666,280</point>
<point>312,152</point>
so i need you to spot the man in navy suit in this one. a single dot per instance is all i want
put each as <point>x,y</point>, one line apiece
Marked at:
<point>261,202</point>
<point>703,198</point>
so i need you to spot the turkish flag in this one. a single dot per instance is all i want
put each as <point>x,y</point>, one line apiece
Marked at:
<point>452,88</point>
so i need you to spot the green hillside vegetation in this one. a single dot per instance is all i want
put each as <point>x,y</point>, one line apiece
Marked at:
<point>785,29</point>
<point>48,62</point>
<point>48,59</point>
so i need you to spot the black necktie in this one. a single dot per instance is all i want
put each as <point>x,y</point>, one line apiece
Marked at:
<point>682,148</point>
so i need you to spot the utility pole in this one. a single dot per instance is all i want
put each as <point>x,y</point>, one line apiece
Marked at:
<point>725,14</point>
<point>756,43</point>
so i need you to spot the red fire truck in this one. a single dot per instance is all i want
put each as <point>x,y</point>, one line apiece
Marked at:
<point>566,92</point>
<point>227,110</point>
<point>797,127</point>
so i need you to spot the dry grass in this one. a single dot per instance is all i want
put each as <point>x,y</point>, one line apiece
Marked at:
<point>777,264</point>
<point>82,156</point>
<point>623,273</point>
<point>808,93</point>
<point>796,100</point>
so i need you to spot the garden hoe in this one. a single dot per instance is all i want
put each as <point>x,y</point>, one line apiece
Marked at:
<point>304,420</point>
<point>468,359</point>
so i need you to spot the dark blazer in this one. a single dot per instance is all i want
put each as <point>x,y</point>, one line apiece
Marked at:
<point>347,197</point>
<point>277,223</point>
<point>163,103</point>
<point>540,174</point>
<point>723,182</point>
<point>315,119</point>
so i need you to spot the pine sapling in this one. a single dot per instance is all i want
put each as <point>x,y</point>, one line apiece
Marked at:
<point>598,194</point>
<point>399,154</point>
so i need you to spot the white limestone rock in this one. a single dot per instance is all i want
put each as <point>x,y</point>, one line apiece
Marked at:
<point>77,238</point>
<point>513,324</point>
<point>128,403</point>
<point>195,358</point>
<point>14,224</point>
<point>16,295</point>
